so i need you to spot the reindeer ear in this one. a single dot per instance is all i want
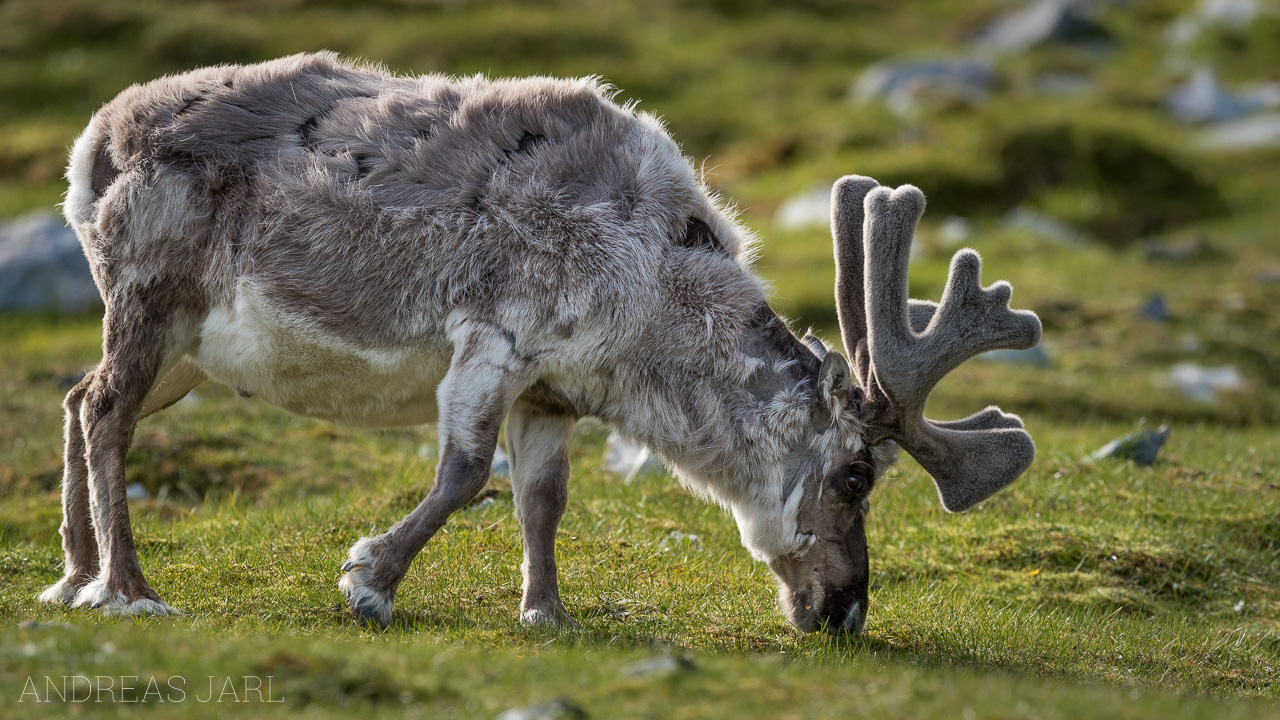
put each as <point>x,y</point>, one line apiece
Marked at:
<point>835,382</point>
<point>815,345</point>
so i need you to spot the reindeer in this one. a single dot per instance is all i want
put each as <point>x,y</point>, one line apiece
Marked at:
<point>387,251</point>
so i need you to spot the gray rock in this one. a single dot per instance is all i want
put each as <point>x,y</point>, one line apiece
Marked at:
<point>1042,22</point>
<point>1033,356</point>
<point>1233,15</point>
<point>1204,383</point>
<point>677,539</point>
<point>1029,220</point>
<point>662,666</point>
<point>501,465</point>
<point>954,230</point>
<point>550,711</point>
<point>625,458</point>
<point>136,491</point>
<point>1196,248</point>
<point>488,497</point>
<point>1140,447</point>
<point>1202,100</point>
<point>808,209</point>
<point>1258,131</point>
<point>1155,308</point>
<point>903,84</point>
<point>42,266</point>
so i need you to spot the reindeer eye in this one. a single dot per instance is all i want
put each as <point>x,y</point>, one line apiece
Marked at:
<point>855,485</point>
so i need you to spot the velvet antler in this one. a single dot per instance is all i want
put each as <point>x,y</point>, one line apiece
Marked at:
<point>902,348</point>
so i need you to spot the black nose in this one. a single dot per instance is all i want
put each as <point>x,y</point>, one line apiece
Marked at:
<point>845,612</point>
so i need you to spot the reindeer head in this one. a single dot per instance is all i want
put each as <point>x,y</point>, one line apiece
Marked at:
<point>901,349</point>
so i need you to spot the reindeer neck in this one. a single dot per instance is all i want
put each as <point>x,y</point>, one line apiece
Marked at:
<point>720,422</point>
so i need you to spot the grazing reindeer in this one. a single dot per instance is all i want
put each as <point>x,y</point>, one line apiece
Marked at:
<point>368,249</point>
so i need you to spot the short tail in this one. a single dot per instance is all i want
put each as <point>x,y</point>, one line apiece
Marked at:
<point>89,174</point>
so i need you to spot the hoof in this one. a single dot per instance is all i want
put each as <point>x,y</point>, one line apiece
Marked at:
<point>143,608</point>
<point>547,619</point>
<point>367,605</point>
<point>97,596</point>
<point>62,592</point>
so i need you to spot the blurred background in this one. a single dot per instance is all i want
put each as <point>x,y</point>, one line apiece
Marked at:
<point>1117,160</point>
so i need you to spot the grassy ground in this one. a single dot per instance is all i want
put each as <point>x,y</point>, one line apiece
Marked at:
<point>1148,579</point>
<point>1086,589</point>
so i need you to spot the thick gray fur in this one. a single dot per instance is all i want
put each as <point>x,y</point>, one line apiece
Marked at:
<point>382,250</point>
<point>904,347</point>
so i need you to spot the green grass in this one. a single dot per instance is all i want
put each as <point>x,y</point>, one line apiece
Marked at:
<point>1153,580</point>
<point>1086,589</point>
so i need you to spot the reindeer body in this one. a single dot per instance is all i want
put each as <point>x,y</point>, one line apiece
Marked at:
<point>331,220</point>
<point>384,251</point>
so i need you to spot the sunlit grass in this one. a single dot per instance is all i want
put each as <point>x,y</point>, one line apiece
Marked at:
<point>1157,579</point>
<point>1089,588</point>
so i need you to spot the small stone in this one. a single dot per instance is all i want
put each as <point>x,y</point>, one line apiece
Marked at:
<point>488,497</point>
<point>1155,308</point>
<point>905,84</point>
<point>1204,383</point>
<point>676,538</point>
<point>1258,131</point>
<point>483,503</point>
<point>501,465</point>
<point>662,667</point>
<point>1140,447</point>
<point>1234,16</point>
<point>136,491</point>
<point>549,711</point>
<point>1195,249</point>
<point>628,459</point>
<point>1042,22</point>
<point>808,209</point>
<point>954,230</point>
<point>1202,100</point>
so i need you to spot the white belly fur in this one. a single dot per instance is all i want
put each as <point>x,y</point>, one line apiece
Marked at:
<point>256,349</point>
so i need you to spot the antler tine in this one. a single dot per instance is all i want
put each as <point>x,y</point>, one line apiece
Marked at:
<point>847,210</point>
<point>908,360</point>
<point>914,344</point>
<point>890,222</point>
<point>847,213</point>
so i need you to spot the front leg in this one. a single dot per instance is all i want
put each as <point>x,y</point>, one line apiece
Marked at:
<point>486,375</point>
<point>539,448</point>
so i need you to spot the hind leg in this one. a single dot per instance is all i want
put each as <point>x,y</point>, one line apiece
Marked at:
<point>139,337</point>
<point>79,545</point>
